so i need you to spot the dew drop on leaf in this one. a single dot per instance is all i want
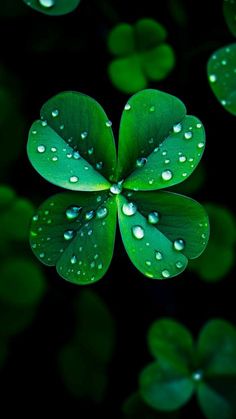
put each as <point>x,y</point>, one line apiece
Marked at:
<point>69,234</point>
<point>153,217</point>
<point>177,128</point>
<point>89,215</point>
<point>158,255</point>
<point>127,107</point>
<point>166,175</point>
<point>179,244</point>
<point>138,232</point>
<point>182,159</point>
<point>188,135</point>
<point>47,3</point>
<point>129,208</point>
<point>101,212</point>
<point>74,179</point>
<point>72,212</point>
<point>84,135</point>
<point>55,113</point>
<point>41,148</point>
<point>73,259</point>
<point>165,273</point>
<point>141,162</point>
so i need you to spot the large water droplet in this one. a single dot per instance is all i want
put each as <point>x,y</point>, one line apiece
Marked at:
<point>55,113</point>
<point>138,232</point>
<point>47,3</point>
<point>182,159</point>
<point>73,212</point>
<point>74,179</point>
<point>41,148</point>
<point>179,244</point>
<point>101,212</point>
<point>69,234</point>
<point>108,124</point>
<point>116,188</point>
<point>165,273</point>
<point>129,208</point>
<point>153,217</point>
<point>127,107</point>
<point>166,175</point>
<point>73,259</point>
<point>158,255</point>
<point>89,215</point>
<point>141,162</point>
<point>188,135</point>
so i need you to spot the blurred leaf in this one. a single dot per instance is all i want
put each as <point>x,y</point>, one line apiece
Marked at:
<point>135,408</point>
<point>219,256</point>
<point>21,282</point>
<point>76,232</point>
<point>15,319</point>
<point>53,7</point>
<point>15,221</point>
<point>7,196</point>
<point>74,137</point>
<point>221,76</point>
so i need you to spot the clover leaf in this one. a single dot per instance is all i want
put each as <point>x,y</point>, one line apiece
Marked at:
<point>209,266</point>
<point>181,369</point>
<point>53,7</point>
<point>84,360</point>
<point>73,147</point>
<point>142,55</point>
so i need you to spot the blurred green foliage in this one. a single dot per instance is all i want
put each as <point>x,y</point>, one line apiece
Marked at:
<point>183,367</point>
<point>84,360</point>
<point>219,257</point>
<point>142,55</point>
<point>135,408</point>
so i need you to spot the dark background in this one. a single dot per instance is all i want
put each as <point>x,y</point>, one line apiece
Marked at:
<point>47,55</point>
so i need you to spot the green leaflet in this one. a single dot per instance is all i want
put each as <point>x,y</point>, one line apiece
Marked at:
<point>229,9</point>
<point>75,232</point>
<point>53,7</point>
<point>73,145</point>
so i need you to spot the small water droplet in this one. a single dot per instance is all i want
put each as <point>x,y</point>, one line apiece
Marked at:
<point>203,236</point>
<point>41,148</point>
<point>35,217</point>
<point>47,3</point>
<point>69,155</point>
<point>179,244</point>
<point>73,212</point>
<point>165,273</point>
<point>148,262</point>
<point>89,215</point>
<point>177,128</point>
<point>188,135</point>
<point>76,155</point>
<point>129,208</point>
<point>101,212</point>
<point>99,165</point>
<point>164,153</point>
<point>74,179</point>
<point>73,259</point>
<point>179,265</point>
<point>152,109</point>
<point>34,132</point>
<point>151,141</point>
<point>184,174</point>
<point>138,232</point>
<point>90,151</point>
<point>151,181</point>
<point>182,159</point>
<point>212,78</point>
<point>127,107</point>
<point>108,124</point>
<point>153,217</point>
<point>100,265</point>
<point>167,161</point>
<point>99,198</point>
<point>92,264</point>
<point>69,234</point>
<point>158,255</point>
<point>96,256</point>
<point>53,149</point>
<point>62,127</point>
<point>224,62</point>
<point>197,375</point>
<point>55,113</point>
<point>223,102</point>
<point>42,255</point>
<point>34,245</point>
<point>199,125</point>
<point>141,162</point>
<point>166,175</point>
<point>44,123</point>
<point>83,135</point>
<point>54,158</point>
<point>200,145</point>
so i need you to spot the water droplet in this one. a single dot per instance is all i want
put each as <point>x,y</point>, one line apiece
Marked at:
<point>158,255</point>
<point>55,113</point>
<point>108,124</point>
<point>34,132</point>
<point>73,259</point>
<point>35,217</point>
<point>74,179</point>
<point>100,265</point>
<point>83,135</point>
<point>89,215</point>
<point>76,155</point>
<point>197,375</point>
<point>69,234</point>
<point>177,128</point>
<point>179,244</point>
<point>73,212</point>
<point>223,62</point>
<point>90,151</point>
<point>62,127</point>
<point>34,245</point>
<point>90,232</point>
<point>165,273</point>
<point>99,165</point>
<point>182,159</point>
<point>127,107</point>
<point>53,149</point>
<point>166,175</point>
<point>141,162</point>
<point>96,256</point>
<point>188,135</point>
<point>47,3</point>
<point>179,265</point>
<point>151,141</point>
<point>138,232</point>
<point>42,255</point>
<point>200,145</point>
<point>129,208</point>
<point>212,78</point>
<point>92,264</point>
<point>223,102</point>
<point>164,153</point>
<point>101,212</point>
<point>184,174</point>
<point>44,123</point>
<point>148,262</point>
<point>153,217</point>
<point>41,148</point>
<point>54,158</point>
<point>152,109</point>
<point>116,188</point>
<point>69,155</point>
<point>99,198</point>
<point>203,236</point>
<point>199,125</point>
<point>167,161</point>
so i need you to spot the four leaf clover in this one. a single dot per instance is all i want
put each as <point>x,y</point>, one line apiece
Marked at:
<point>142,55</point>
<point>72,146</point>
<point>182,368</point>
